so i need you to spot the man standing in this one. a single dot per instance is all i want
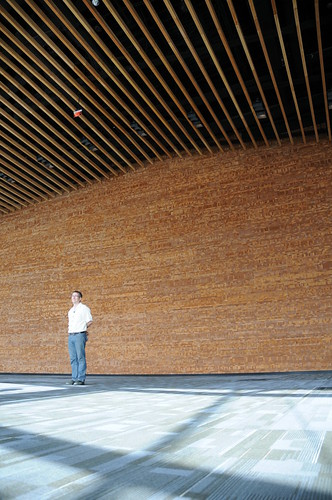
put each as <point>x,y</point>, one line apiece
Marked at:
<point>79,320</point>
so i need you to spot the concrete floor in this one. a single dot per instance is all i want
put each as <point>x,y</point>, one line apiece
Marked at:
<point>266,436</point>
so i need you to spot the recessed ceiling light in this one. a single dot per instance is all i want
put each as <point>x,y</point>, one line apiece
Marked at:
<point>138,129</point>
<point>194,119</point>
<point>259,109</point>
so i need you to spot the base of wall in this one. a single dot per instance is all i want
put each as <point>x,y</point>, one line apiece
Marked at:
<point>304,372</point>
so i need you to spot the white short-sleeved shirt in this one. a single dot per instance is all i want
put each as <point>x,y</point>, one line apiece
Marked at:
<point>78,318</point>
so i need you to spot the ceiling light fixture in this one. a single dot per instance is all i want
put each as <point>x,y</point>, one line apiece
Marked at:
<point>88,144</point>
<point>259,109</point>
<point>194,119</point>
<point>329,98</point>
<point>45,162</point>
<point>7,178</point>
<point>95,3</point>
<point>138,129</point>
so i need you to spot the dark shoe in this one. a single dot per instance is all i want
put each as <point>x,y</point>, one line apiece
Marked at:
<point>79,382</point>
<point>72,382</point>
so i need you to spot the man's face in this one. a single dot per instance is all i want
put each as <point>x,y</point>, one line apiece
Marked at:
<point>75,298</point>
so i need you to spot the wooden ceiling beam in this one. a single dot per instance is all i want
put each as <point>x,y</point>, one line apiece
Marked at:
<point>12,189</point>
<point>192,79</point>
<point>8,206</point>
<point>43,133</point>
<point>65,129</point>
<point>18,175</point>
<point>132,82</point>
<point>218,67</point>
<point>32,175</point>
<point>322,69</point>
<point>154,70</point>
<point>80,89</point>
<point>17,187</point>
<point>270,68</point>
<point>234,65</point>
<point>254,72</point>
<point>39,119</point>
<point>40,142</point>
<point>9,194</point>
<point>289,75</point>
<point>116,81</point>
<point>27,152</point>
<point>175,77</point>
<point>42,172</point>
<point>63,113</point>
<point>3,209</point>
<point>304,65</point>
<point>203,69</point>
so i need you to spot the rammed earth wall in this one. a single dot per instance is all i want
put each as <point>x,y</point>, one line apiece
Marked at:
<point>210,264</point>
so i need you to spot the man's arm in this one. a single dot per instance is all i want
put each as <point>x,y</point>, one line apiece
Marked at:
<point>87,326</point>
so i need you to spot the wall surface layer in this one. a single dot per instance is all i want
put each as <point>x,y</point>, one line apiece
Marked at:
<point>217,264</point>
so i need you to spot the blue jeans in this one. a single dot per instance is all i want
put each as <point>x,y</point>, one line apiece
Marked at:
<point>76,348</point>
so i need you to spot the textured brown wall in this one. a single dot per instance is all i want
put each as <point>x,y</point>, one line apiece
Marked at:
<point>196,265</point>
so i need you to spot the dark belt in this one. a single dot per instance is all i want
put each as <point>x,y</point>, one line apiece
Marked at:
<point>76,333</point>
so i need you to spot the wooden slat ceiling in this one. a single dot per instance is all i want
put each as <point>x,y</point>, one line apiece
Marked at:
<point>154,79</point>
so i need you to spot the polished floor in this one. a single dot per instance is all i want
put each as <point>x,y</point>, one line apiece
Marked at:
<point>266,436</point>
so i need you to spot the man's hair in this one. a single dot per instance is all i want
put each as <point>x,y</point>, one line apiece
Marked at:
<point>79,293</point>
